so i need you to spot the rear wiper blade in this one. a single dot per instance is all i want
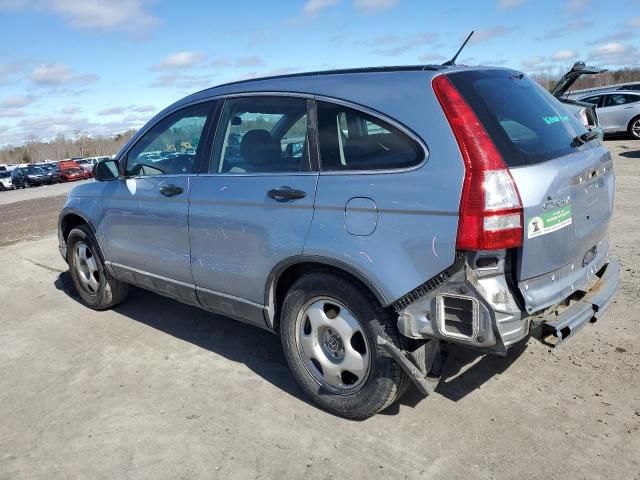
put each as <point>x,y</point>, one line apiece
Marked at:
<point>584,138</point>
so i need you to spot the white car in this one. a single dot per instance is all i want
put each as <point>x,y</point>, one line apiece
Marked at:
<point>618,111</point>
<point>5,180</point>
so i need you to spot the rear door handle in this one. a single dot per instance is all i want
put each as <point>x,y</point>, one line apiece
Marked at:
<point>284,194</point>
<point>170,190</point>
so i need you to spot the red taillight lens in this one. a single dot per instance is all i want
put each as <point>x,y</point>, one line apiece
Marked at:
<point>490,207</point>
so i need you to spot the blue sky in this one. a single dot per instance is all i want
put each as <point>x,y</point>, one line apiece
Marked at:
<point>100,67</point>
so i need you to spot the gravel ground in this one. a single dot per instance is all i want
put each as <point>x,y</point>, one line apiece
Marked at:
<point>157,389</point>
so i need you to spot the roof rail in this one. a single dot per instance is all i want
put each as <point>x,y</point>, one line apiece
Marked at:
<point>401,68</point>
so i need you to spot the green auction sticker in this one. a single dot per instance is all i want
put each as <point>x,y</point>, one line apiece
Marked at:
<point>549,222</point>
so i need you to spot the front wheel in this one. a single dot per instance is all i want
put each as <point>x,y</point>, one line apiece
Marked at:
<point>329,327</point>
<point>96,287</point>
<point>634,128</point>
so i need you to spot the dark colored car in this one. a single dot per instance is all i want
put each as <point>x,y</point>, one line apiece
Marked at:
<point>635,87</point>
<point>23,177</point>
<point>52,170</point>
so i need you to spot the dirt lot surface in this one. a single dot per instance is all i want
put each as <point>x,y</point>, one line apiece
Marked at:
<point>156,389</point>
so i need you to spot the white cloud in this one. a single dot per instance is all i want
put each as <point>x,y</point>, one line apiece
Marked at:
<point>392,45</point>
<point>431,57</point>
<point>112,111</point>
<point>179,60</point>
<point>59,74</point>
<point>566,28</point>
<point>70,110</point>
<point>577,5</point>
<point>510,3</point>
<point>10,71</point>
<point>373,6</point>
<point>564,55</point>
<point>488,34</point>
<point>614,53</point>
<point>16,102</point>
<point>182,81</point>
<point>11,113</point>
<point>313,7</point>
<point>144,109</point>
<point>634,22</point>
<point>129,15</point>
<point>532,62</point>
<point>250,61</point>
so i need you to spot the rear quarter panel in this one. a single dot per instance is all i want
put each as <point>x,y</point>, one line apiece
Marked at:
<point>415,211</point>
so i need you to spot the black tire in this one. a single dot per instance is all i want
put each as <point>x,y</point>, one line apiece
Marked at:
<point>630,128</point>
<point>109,292</point>
<point>385,382</point>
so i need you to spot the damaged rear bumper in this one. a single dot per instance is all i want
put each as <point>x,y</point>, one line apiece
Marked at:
<point>556,326</point>
<point>476,306</point>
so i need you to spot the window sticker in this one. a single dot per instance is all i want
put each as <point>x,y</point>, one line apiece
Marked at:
<point>549,222</point>
<point>551,119</point>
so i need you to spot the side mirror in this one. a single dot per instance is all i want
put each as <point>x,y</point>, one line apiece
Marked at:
<point>106,170</point>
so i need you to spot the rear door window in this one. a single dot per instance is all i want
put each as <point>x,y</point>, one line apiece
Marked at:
<point>353,140</point>
<point>527,124</point>
<point>620,99</point>
<point>262,135</point>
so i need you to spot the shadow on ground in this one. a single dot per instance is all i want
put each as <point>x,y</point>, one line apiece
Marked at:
<point>261,351</point>
<point>631,154</point>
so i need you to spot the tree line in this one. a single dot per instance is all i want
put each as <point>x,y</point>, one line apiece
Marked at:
<point>61,147</point>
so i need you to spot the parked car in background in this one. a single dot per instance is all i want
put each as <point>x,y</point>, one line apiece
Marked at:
<point>89,163</point>
<point>630,88</point>
<point>5,180</point>
<point>584,111</point>
<point>30,176</point>
<point>444,211</point>
<point>618,111</point>
<point>52,170</point>
<point>71,171</point>
<point>72,174</point>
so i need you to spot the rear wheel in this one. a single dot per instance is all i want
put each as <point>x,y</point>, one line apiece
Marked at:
<point>634,127</point>
<point>329,328</point>
<point>96,287</point>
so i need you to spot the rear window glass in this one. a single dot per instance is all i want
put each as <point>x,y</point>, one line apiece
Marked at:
<point>527,124</point>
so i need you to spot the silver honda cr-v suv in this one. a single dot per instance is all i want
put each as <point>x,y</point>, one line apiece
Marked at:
<point>369,217</point>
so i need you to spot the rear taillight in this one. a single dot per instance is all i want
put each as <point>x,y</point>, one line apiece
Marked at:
<point>490,207</point>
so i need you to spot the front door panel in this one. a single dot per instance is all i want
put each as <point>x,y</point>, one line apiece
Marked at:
<point>146,230</point>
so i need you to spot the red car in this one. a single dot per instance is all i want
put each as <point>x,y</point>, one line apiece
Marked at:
<point>71,171</point>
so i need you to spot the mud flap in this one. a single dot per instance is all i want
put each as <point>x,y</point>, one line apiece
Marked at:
<point>423,365</point>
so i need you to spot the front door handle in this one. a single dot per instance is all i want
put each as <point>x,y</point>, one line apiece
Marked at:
<point>170,190</point>
<point>284,194</point>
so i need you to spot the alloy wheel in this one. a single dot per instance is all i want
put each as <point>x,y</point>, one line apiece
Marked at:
<point>635,128</point>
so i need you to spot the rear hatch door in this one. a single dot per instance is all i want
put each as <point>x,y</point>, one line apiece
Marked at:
<point>566,185</point>
<point>569,78</point>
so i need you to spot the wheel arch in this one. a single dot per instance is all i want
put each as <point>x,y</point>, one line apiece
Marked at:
<point>70,219</point>
<point>288,271</point>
